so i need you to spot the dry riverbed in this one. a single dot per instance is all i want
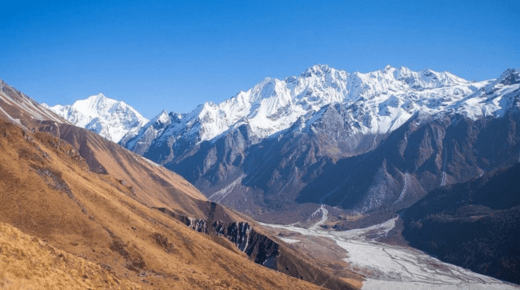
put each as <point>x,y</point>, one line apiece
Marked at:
<point>387,266</point>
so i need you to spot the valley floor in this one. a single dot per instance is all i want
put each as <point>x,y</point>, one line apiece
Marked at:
<point>391,266</point>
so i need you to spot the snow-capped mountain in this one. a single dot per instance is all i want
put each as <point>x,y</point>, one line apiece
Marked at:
<point>390,96</point>
<point>358,141</point>
<point>385,100</point>
<point>140,140</point>
<point>109,118</point>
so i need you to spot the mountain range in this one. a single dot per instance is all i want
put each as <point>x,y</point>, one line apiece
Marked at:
<point>359,148</point>
<point>300,140</point>
<point>286,143</point>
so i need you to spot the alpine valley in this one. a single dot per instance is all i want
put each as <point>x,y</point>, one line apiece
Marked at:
<point>375,180</point>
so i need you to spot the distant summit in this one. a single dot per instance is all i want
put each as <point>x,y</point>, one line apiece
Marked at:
<point>109,118</point>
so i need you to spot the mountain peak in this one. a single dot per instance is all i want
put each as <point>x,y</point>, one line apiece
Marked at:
<point>163,117</point>
<point>510,76</point>
<point>99,96</point>
<point>402,72</point>
<point>96,99</point>
<point>316,70</point>
<point>322,67</point>
<point>388,67</point>
<point>110,118</point>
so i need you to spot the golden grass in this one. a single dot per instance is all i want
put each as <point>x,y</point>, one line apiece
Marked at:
<point>151,184</point>
<point>28,263</point>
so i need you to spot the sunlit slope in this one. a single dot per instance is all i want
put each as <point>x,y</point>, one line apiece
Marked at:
<point>19,109</point>
<point>146,181</point>
<point>29,263</point>
<point>48,191</point>
<point>158,187</point>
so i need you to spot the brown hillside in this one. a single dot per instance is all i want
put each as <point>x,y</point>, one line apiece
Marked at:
<point>30,263</point>
<point>157,187</point>
<point>147,182</point>
<point>48,191</point>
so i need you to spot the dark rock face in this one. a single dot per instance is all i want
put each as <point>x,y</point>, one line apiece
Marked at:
<point>416,159</point>
<point>259,247</point>
<point>210,163</point>
<point>475,224</point>
<point>140,142</point>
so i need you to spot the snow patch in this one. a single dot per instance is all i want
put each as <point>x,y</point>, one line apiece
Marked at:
<point>288,240</point>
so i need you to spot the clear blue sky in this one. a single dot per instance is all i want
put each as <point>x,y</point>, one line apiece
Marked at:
<point>175,55</point>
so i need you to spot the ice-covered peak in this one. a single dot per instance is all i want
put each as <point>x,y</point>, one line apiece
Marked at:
<point>95,104</point>
<point>317,70</point>
<point>407,79</point>
<point>268,88</point>
<point>495,98</point>
<point>401,73</point>
<point>389,67</point>
<point>110,118</point>
<point>163,117</point>
<point>509,77</point>
<point>97,98</point>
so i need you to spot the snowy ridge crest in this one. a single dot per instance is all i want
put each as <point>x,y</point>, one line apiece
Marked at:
<point>388,98</point>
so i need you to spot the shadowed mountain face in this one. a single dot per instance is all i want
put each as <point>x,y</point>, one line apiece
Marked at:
<point>475,224</point>
<point>410,162</point>
<point>416,159</point>
<point>327,157</point>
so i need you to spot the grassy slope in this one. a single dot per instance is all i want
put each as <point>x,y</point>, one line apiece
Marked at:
<point>47,191</point>
<point>29,263</point>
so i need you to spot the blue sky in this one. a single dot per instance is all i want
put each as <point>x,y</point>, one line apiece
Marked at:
<point>175,55</point>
